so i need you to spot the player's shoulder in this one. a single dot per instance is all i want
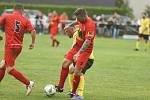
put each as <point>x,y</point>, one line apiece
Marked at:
<point>147,19</point>
<point>25,19</point>
<point>6,15</point>
<point>90,22</point>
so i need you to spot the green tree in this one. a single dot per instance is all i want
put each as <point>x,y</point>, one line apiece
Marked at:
<point>147,10</point>
<point>119,3</point>
<point>124,4</point>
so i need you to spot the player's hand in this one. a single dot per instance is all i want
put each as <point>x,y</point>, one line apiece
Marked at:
<point>31,46</point>
<point>69,31</point>
<point>1,38</point>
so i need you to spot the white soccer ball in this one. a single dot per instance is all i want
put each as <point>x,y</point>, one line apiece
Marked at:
<point>49,90</point>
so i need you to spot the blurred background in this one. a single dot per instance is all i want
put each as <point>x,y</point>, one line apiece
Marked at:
<point>113,18</point>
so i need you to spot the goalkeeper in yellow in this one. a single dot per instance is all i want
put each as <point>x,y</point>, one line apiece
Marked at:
<point>143,32</point>
<point>89,63</point>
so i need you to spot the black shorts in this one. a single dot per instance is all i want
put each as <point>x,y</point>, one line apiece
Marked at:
<point>88,65</point>
<point>145,37</point>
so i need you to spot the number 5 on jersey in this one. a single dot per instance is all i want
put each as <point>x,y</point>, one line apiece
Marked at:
<point>17,26</point>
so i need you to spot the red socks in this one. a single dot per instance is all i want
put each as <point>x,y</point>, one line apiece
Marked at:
<point>19,76</point>
<point>76,81</point>
<point>54,41</point>
<point>63,76</point>
<point>2,74</point>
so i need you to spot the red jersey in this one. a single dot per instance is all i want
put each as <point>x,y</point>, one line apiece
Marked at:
<point>15,26</point>
<point>86,30</point>
<point>54,21</point>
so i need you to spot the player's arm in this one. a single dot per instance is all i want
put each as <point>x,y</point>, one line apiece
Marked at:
<point>1,38</point>
<point>74,42</point>
<point>72,24</point>
<point>33,34</point>
<point>90,33</point>
<point>85,45</point>
<point>2,21</point>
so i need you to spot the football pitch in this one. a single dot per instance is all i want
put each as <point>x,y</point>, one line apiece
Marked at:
<point>118,73</point>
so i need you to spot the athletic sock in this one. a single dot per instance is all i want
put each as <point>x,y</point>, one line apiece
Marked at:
<point>2,74</point>
<point>63,76</point>
<point>19,76</point>
<point>146,45</point>
<point>80,88</point>
<point>76,81</point>
<point>70,80</point>
<point>137,44</point>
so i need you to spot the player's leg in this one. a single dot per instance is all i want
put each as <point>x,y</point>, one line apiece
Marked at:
<point>2,70</point>
<point>68,59</point>
<point>63,74</point>
<point>71,71</point>
<point>80,88</point>
<point>88,65</point>
<point>76,81</point>
<point>138,42</point>
<point>70,79</point>
<point>10,56</point>
<point>55,38</point>
<point>51,36</point>
<point>146,38</point>
<point>52,40</point>
<point>80,63</point>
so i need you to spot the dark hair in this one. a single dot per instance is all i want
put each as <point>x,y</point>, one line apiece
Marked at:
<point>18,7</point>
<point>80,11</point>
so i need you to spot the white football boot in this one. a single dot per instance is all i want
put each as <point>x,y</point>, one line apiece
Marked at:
<point>29,88</point>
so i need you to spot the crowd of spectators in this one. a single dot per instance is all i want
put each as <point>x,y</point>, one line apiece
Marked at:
<point>113,25</point>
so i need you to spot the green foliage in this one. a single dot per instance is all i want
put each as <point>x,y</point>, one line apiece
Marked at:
<point>45,8</point>
<point>119,3</point>
<point>124,4</point>
<point>147,10</point>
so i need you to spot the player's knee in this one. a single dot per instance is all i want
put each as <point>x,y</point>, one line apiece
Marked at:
<point>8,69</point>
<point>66,63</point>
<point>77,71</point>
<point>2,66</point>
<point>71,69</point>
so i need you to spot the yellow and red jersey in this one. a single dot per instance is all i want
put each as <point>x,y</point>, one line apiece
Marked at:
<point>15,26</point>
<point>86,30</point>
<point>74,39</point>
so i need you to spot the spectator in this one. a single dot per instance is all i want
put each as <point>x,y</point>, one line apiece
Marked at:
<point>116,23</point>
<point>38,24</point>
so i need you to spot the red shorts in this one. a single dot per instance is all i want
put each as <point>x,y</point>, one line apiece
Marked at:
<point>82,58</point>
<point>53,31</point>
<point>11,55</point>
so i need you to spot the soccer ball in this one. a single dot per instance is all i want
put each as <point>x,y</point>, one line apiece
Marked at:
<point>49,90</point>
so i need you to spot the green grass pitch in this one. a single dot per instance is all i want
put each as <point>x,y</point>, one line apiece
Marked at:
<point>118,73</point>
